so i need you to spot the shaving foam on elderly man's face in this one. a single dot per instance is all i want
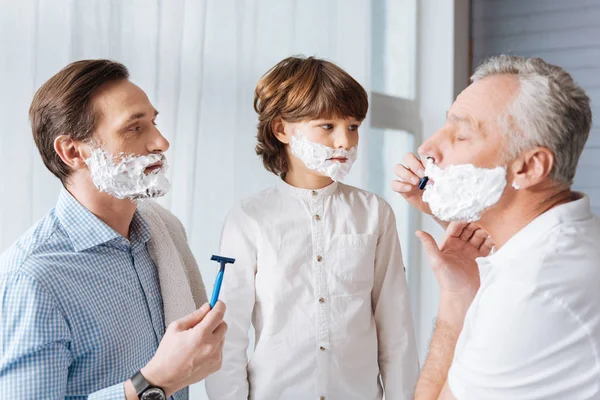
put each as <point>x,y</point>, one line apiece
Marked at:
<point>127,178</point>
<point>462,192</point>
<point>334,163</point>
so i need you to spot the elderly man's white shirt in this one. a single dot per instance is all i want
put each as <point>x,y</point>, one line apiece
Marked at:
<point>533,330</point>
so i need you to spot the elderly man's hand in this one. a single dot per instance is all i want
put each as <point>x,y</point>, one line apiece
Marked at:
<point>409,175</point>
<point>454,266</point>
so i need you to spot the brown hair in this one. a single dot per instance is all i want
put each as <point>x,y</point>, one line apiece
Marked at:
<point>62,106</point>
<point>298,89</point>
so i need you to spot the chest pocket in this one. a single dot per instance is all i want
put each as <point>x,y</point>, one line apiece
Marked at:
<point>354,259</point>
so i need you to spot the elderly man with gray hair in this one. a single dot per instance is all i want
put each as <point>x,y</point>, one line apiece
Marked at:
<point>523,322</point>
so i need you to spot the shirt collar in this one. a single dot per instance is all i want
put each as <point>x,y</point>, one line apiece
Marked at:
<point>86,230</point>
<point>307,193</point>
<point>139,231</point>
<point>573,211</point>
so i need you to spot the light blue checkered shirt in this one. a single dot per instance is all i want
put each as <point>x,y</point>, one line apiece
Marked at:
<point>80,308</point>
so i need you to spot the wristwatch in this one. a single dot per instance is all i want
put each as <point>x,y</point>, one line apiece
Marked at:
<point>145,390</point>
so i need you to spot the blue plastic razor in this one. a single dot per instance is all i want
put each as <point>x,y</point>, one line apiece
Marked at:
<point>219,280</point>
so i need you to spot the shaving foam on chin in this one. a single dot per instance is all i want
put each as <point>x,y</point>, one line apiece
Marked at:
<point>462,192</point>
<point>124,177</point>
<point>317,157</point>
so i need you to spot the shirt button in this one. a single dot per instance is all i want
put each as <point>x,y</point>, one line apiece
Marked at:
<point>321,300</point>
<point>318,217</point>
<point>322,348</point>
<point>319,258</point>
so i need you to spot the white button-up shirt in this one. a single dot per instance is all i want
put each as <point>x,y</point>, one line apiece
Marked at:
<point>319,275</point>
<point>533,329</point>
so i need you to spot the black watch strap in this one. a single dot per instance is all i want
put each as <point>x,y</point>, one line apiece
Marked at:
<point>140,384</point>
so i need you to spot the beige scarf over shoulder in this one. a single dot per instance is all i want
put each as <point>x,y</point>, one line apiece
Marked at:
<point>180,281</point>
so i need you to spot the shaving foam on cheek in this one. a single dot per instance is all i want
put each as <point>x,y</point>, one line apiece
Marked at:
<point>463,192</point>
<point>317,157</point>
<point>126,179</point>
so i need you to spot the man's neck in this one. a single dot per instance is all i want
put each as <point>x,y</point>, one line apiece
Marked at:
<point>524,208</point>
<point>114,212</point>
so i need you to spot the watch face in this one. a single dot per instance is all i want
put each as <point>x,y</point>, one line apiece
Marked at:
<point>154,394</point>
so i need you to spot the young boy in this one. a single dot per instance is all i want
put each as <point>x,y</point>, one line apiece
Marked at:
<point>319,270</point>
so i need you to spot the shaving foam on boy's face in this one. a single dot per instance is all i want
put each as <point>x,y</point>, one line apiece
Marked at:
<point>463,192</point>
<point>124,176</point>
<point>335,163</point>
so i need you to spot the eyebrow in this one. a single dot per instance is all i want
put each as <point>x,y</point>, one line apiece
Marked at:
<point>467,119</point>
<point>351,120</point>
<point>139,115</point>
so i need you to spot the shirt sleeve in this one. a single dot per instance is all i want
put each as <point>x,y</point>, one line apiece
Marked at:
<point>34,341</point>
<point>519,343</point>
<point>398,360</point>
<point>237,292</point>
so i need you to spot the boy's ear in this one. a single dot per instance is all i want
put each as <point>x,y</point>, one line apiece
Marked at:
<point>278,127</point>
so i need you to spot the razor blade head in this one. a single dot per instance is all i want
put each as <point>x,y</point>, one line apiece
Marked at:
<point>224,260</point>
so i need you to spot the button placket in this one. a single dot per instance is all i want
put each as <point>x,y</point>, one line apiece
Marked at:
<point>320,263</point>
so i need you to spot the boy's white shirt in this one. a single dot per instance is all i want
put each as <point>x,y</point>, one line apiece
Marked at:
<point>319,275</point>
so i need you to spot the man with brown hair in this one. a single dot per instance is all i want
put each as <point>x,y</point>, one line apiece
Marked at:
<point>82,302</point>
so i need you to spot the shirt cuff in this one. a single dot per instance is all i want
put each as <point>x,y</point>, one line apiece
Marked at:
<point>115,392</point>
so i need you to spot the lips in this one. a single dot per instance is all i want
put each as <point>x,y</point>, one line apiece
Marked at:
<point>154,167</point>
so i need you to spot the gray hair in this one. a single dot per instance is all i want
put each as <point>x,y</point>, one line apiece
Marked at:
<point>551,111</point>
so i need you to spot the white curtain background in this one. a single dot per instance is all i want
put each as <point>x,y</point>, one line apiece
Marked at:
<point>198,61</point>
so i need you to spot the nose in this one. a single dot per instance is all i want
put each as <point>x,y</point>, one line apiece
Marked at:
<point>431,148</point>
<point>159,143</point>
<point>343,139</point>
<point>425,150</point>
